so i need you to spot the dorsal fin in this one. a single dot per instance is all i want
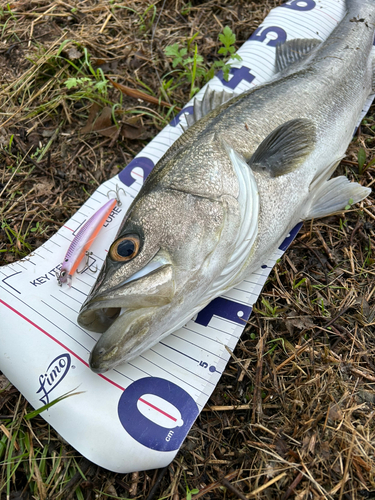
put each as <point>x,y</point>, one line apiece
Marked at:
<point>294,51</point>
<point>285,148</point>
<point>211,100</point>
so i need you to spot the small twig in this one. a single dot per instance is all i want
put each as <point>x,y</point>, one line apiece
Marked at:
<point>233,489</point>
<point>345,476</point>
<point>14,173</point>
<point>157,483</point>
<point>257,398</point>
<point>261,488</point>
<point>356,227</point>
<point>325,246</point>
<point>138,94</point>
<point>237,407</point>
<point>343,311</point>
<point>293,486</point>
<point>26,154</point>
<point>362,374</point>
<point>105,22</point>
<point>213,486</point>
<point>134,486</point>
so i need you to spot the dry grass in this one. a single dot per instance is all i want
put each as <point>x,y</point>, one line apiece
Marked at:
<point>292,416</point>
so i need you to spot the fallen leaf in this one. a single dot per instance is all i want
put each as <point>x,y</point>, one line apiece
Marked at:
<point>367,397</point>
<point>282,447</point>
<point>325,450</point>
<point>105,66</point>
<point>335,413</point>
<point>100,120</point>
<point>301,323</point>
<point>73,53</point>
<point>130,131</point>
<point>137,60</point>
<point>43,188</point>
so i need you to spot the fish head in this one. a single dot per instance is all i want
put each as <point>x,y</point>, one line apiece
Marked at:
<point>163,256</point>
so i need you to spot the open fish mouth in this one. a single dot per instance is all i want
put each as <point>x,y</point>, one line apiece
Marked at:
<point>124,315</point>
<point>122,339</point>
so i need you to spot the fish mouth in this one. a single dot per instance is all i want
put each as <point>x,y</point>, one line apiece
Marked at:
<point>123,340</point>
<point>125,314</point>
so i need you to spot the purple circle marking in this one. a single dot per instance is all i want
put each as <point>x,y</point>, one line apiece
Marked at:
<point>170,435</point>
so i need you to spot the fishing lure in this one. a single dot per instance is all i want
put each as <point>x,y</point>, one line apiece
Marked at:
<point>78,248</point>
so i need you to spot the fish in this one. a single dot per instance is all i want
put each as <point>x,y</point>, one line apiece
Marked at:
<point>229,190</point>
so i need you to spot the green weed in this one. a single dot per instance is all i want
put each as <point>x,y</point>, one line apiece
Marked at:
<point>349,205</point>
<point>189,66</point>
<point>274,341</point>
<point>144,23</point>
<point>34,413</point>
<point>189,492</point>
<point>88,86</point>
<point>17,244</point>
<point>361,160</point>
<point>270,311</point>
<point>62,80</point>
<point>186,9</point>
<point>228,39</point>
<point>361,157</point>
<point>319,301</point>
<point>296,285</point>
<point>38,230</point>
<point>190,61</point>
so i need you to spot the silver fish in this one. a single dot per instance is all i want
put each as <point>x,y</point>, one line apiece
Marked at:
<point>229,190</point>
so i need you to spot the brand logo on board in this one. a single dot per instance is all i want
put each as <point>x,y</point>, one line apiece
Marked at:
<point>54,374</point>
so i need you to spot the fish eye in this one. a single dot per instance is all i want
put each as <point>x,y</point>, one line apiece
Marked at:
<point>125,248</point>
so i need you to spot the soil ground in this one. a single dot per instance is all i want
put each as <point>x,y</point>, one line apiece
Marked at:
<point>293,414</point>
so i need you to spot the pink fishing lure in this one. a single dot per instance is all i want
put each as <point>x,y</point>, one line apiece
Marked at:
<point>82,242</point>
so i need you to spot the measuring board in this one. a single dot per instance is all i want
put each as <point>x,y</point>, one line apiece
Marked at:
<point>136,416</point>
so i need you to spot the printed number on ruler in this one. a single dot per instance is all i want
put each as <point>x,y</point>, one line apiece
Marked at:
<point>299,4</point>
<point>129,177</point>
<point>224,308</point>
<point>237,75</point>
<point>157,413</point>
<point>261,33</point>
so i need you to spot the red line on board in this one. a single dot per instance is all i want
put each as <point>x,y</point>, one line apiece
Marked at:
<point>135,173</point>
<point>69,228</point>
<point>328,15</point>
<point>58,342</point>
<point>158,409</point>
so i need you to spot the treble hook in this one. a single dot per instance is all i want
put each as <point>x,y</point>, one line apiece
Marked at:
<point>87,264</point>
<point>117,193</point>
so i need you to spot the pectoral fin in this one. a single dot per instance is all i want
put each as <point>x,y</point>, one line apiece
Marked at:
<point>285,148</point>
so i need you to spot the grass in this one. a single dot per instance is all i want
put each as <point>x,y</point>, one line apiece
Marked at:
<point>192,66</point>
<point>292,414</point>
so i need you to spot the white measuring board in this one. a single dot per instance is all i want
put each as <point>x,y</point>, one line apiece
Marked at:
<point>136,416</point>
